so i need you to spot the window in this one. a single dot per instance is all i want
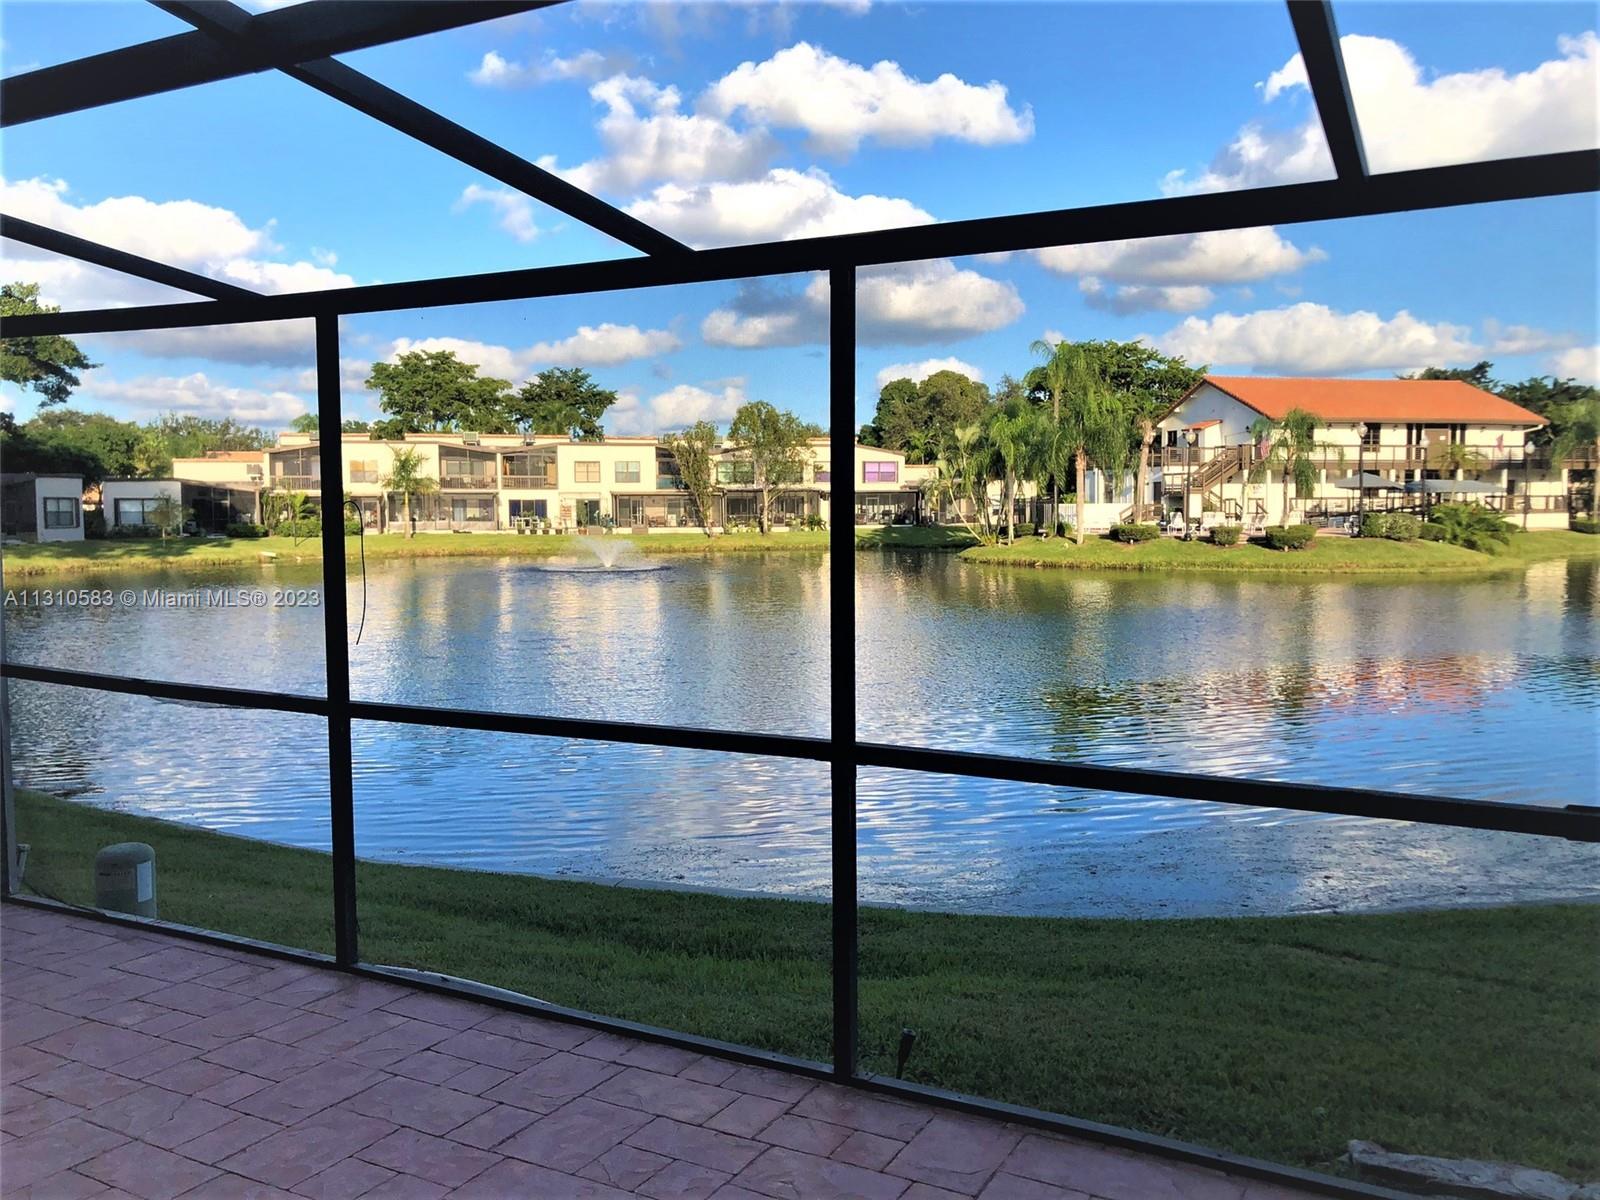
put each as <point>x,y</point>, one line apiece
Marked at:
<point>880,472</point>
<point>1371,434</point>
<point>60,512</point>
<point>363,470</point>
<point>628,472</point>
<point>586,472</point>
<point>136,512</point>
<point>736,472</point>
<point>821,474</point>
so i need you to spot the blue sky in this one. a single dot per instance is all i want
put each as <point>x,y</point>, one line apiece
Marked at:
<point>732,122</point>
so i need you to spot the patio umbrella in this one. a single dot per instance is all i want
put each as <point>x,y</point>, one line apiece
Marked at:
<point>1367,482</point>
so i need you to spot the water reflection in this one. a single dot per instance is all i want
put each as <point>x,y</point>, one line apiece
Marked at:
<point>1482,688</point>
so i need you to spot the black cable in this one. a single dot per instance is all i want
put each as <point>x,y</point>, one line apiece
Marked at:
<point>361,538</point>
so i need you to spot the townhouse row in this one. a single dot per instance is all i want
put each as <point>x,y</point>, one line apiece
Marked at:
<point>488,482</point>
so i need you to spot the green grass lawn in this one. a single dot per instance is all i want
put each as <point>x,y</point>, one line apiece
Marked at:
<point>141,554</point>
<point>1462,1033</point>
<point>1325,555</point>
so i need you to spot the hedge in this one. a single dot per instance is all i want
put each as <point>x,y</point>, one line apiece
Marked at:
<point>1135,533</point>
<point>1289,537</point>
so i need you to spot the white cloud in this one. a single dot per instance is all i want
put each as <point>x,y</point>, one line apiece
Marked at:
<point>604,346</point>
<point>181,232</point>
<point>1410,118</point>
<point>917,372</point>
<point>1133,297</point>
<point>1313,339</point>
<point>841,103</point>
<point>676,407</point>
<point>264,343</point>
<point>514,210</point>
<point>496,71</point>
<point>1174,273</point>
<point>195,395</point>
<point>197,237</point>
<point>1523,339</point>
<point>783,204</point>
<point>591,346</point>
<point>895,305</point>
<point>496,362</point>
<point>1581,363</point>
<point>648,139</point>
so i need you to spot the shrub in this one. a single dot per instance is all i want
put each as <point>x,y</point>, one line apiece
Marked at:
<point>305,527</point>
<point>94,523</point>
<point>245,530</point>
<point>1471,526</point>
<point>1226,535</point>
<point>352,526</point>
<point>1396,526</point>
<point>1586,525</point>
<point>1431,533</point>
<point>1289,537</point>
<point>1135,533</point>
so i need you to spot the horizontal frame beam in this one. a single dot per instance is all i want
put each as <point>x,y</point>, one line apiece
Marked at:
<point>279,38</point>
<point>84,250</point>
<point>1573,824</point>
<point>1533,177</point>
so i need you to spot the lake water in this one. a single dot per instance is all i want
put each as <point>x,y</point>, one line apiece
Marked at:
<point>1482,688</point>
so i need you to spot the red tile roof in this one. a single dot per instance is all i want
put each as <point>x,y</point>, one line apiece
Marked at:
<point>1445,401</point>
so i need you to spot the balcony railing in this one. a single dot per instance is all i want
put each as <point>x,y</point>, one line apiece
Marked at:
<point>669,483</point>
<point>1488,458</point>
<point>528,481</point>
<point>466,482</point>
<point>296,483</point>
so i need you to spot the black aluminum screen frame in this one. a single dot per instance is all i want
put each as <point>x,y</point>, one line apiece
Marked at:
<point>297,40</point>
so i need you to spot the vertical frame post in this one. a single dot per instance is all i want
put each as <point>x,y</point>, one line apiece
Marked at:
<point>336,641</point>
<point>842,657</point>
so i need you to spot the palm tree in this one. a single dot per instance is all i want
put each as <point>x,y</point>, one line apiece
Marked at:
<point>406,477</point>
<point>1292,443</point>
<point>1010,433</point>
<point>1094,428</point>
<point>1056,373</point>
<point>1576,429</point>
<point>958,477</point>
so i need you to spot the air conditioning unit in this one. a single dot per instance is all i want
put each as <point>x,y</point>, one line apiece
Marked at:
<point>469,439</point>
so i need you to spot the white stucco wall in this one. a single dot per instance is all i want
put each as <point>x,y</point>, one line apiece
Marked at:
<point>59,487</point>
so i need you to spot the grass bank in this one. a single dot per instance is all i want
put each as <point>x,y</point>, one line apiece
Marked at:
<point>1469,1032</point>
<point>1327,555</point>
<point>139,554</point>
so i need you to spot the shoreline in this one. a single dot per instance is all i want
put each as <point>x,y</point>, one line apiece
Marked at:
<point>1337,556</point>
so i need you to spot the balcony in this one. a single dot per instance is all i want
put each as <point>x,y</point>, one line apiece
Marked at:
<point>296,483</point>
<point>462,483</point>
<point>669,483</point>
<point>531,482</point>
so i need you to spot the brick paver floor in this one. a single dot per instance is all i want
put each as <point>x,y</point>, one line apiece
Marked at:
<point>138,1065</point>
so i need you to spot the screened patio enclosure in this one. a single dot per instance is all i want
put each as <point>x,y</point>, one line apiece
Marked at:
<point>300,41</point>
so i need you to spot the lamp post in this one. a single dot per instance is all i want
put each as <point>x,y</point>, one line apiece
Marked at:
<point>1361,474</point>
<point>1190,436</point>
<point>1528,447</point>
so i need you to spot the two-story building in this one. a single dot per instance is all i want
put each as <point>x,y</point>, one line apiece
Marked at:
<point>1378,444</point>
<point>484,482</point>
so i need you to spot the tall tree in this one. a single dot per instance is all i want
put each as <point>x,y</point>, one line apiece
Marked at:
<point>433,391</point>
<point>1053,376</point>
<point>408,477</point>
<point>562,400</point>
<point>304,423</point>
<point>1094,428</point>
<point>918,418</point>
<point>695,450</point>
<point>47,365</point>
<point>1478,375</point>
<point>1012,432</point>
<point>101,446</point>
<point>774,443</point>
<point>1291,448</point>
